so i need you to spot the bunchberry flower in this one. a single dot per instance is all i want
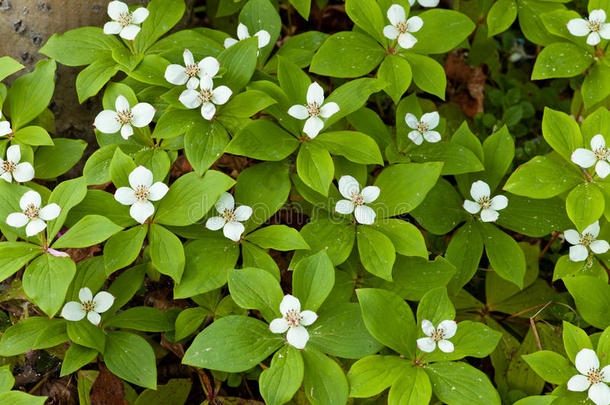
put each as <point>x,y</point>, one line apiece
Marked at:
<point>599,156</point>
<point>11,168</point>
<point>423,128</point>
<point>230,217</point>
<point>314,109</point>
<point>293,321</point>
<point>402,28</point>
<point>585,241</point>
<point>141,193</point>
<point>439,335</point>
<point>110,122</point>
<point>242,33</point>
<point>591,377</point>
<point>356,200</point>
<point>208,97</point>
<point>595,27</point>
<point>124,22</point>
<point>90,306</point>
<point>32,214</point>
<point>191,72</point>
<point>483,202</point>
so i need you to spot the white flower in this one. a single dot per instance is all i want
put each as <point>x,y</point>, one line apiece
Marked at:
<point>401,28</point>
<point>489,207</point>
<point>425,3</point>
<point>293,321</point>
<point>89,306</point>
<point>349,188</point>
<point>599,156</point>
<point>141,193</point>
<point>32,214</point>
<point>110,122</point>
<point>446,330</point>
<point>591,377</point>
<point>5,127</point>
<point>191,71</point>
<point>422,129</point>
<point>595,25</point>
<point>230,217</point>
<point>242,33</point>
<point>11,167</point>
<point>579,251</point>
<point>124,21</point>
<point>208,98</point>
<point>315,107</point>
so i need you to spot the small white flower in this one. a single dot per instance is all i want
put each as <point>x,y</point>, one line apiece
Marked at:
<point>5,127</point>
<point>349,188</point>
<point>32,215</point>
<point>445,330</point>
<point>315,107</point>
<point>191,71</point>
<point>141,193</point>
<point>230,217</point>
<point>11,167</point>
<point>402,28</point>
<point>293,321</point>
<point>110,122</point>
<point>208,97</point>
<point>242,33</point>
<point>595,25</point>
<point>599,156</point>
<point>425,3</point>
<point>591,377</point>
<point>422,129</point>
<point>579,251</point>
<point>489,207</point>
<point>89,306</point>
<point>124,21</point>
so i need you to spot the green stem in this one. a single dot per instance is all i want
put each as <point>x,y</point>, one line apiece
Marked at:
<point>145,138</point>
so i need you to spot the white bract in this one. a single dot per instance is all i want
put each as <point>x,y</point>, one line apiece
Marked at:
<point>5,127</point>
<point>587,239</point>
<point>314,109</point>
<point>402,28</point>
<point>124,22</point>
<point>439,335</point>
<point>11,168</point>
<point>32,214</point>
<point>350,189</point>
<point>591,377</point>
<point>425,3</point>
<point>110,122</point>
<point>595,27</point>
<point>191,71</point>
<point>141,193</point>
<point>293,321</point>
<point>208,97</point>
<point>242,33</point>
<point>90,306</point>
<point>230,217</point>
<point>422,129</point>
<point>599,156</point>
<point>488,206</point>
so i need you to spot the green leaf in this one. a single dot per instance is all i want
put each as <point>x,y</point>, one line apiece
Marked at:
<point>174,123</point>
<point>504,254</point>
<point>89,231</point>
<point>592,299</point>
<point>453,26</point>
<point>530,21</point>
<point>145,319</point>
<point>14,255</point>
<point>585,205</point>
<point>175,392</point>
<point>20,398</point>
<point>460,384</point>
<point>46,162</point>
<point>574,340</point>
<point>6,379</point>
<point>33,135</point>
<point>46,281</point>
<point>80,46</point>
<point>464,252</point>
<point>240,62</point>
<point>324,382</point>
<point>86,334</point>
<point>76,357</point>
<point>121,167</point>
<point>91,79</point>
<point>561,132</point>
<point>561,59</point>
<point>499,150</point>
<point>501,16</point>
<point>247,103</point>
<point>283,378</point>
<point>441,210</point>
<point>352,96</point>
<point>435,306</point>
<point>164,14</point>
<point>457,159</point>
<point>313,279</point>
<point>406,237</point>
<point>472,339</point>
<point>428,74</point>
<point>20,337</point>
<point>204,144</point>
<point>317,232</point>
<point>596,86</point>
<point>396,72</point>
<point>262,15</point>
<point>151,71</point>
<point>371,375</point>
<point>377,252</point>
<point>256,289</point>
<point>550,216</point>
<point>232,344</point>
<point>123,248</point>
<point>278,237</point>
<point>552,367</point>
<point>355,146</point>
<point>315,167</point>
<point>264,140</point>
<point>366,14</point>
<point>131,358</point>
<point>414,276</point>
<point>411,388</point>
<point>188,321</point>
<point>8,66</point>
<point>166,252</point>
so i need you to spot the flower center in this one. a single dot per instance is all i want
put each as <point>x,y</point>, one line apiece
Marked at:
<point>8,167</point>
<point>586,239</point>
<point>31,211</point>
<point>594,25</point>
<point>88,306</point>
<point>293,318</point>
<point>142,193</point>
<point>601,153</point>
<point>402,27</point>
<point>438,335</point>
<point>228,215</point>
<point>357,199</point>
<point>191,70</point>
<point>595,376</point>
<point>422,127</point>
<point>485,203</point>
<point>124,19</point>
<point>124,117</point>
<point>313,109</point>
<point>205,95</point>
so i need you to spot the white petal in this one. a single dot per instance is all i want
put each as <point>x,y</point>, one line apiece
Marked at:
<point>599,246</point>
<point>126,131</point>
<point>112,27</point>
<point>578,253</point>
<point>278,325</point>
<point>242,32</point>
<point>348,186</point>
<point>599,393</point>
<point>471,206</point>
<point>143,114</point>
<point>414,24</point>
<point>426,344</point>
<point>432,136</point>
<point>243,213</point>
<point>13,154</point>
<point>73,311</point>
<point>94,318</point>
<point>313,126</point>
<point>572,236</point>
<point>17,219</point>
<point>263,38</point>
<point>50,212</point>
<point>6,177</point>
<point>364,215</point>
<point>329,109</point>
<point>396,14</point>
<point>140,176</point>
<point>116,8</point>
<point>107,122</point>
<point>604,31</point>
<point>445,346</point>
<point>125,195</point>
<point>431,119</point>
<point>190,98</point>
<point>592,229</point>
<point>602,168</point>
<point>606,374</point>
<point>23,172</point>
<point>192,83</point>
<point>598,15</point>
<point>130,32</point>
<point>288,303</point>
<point>5,128</point>
<point>141,211</point>
<point>298,111</point>
<point>583,157</point>
<point>370,193</point>
<point>578,27</point>
<point>121,103</point>
<point>315,94</point>
<point>479,189</point>
<point>448,327</point>
<point>30,198</point>
<point>427,327</point>
<point>585,360</point>
<point>233,230</point>
<point>344,207</point>
<point>157,191</point>
<point>35,227</point>
<point>428,3</point>
<point>85,294</point>
<point>489,215</point>
<point>215,223</point>
<point>230,42</point>
<point>188,58</point>
<point>209,66</point>
<point>297,337</point>
<point>598,142</point>
<point>308,317</point>
<point>221,94</point>
<point>416,137</point>
<point>139,15</point>
<point>103,301</point>
<point>390,32</point>
<point>226,202</point>
<point>406,40</point>
<point>208,110</point>
<point>578,383</point>
<point>499,202</point>
<point>593,39</point>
